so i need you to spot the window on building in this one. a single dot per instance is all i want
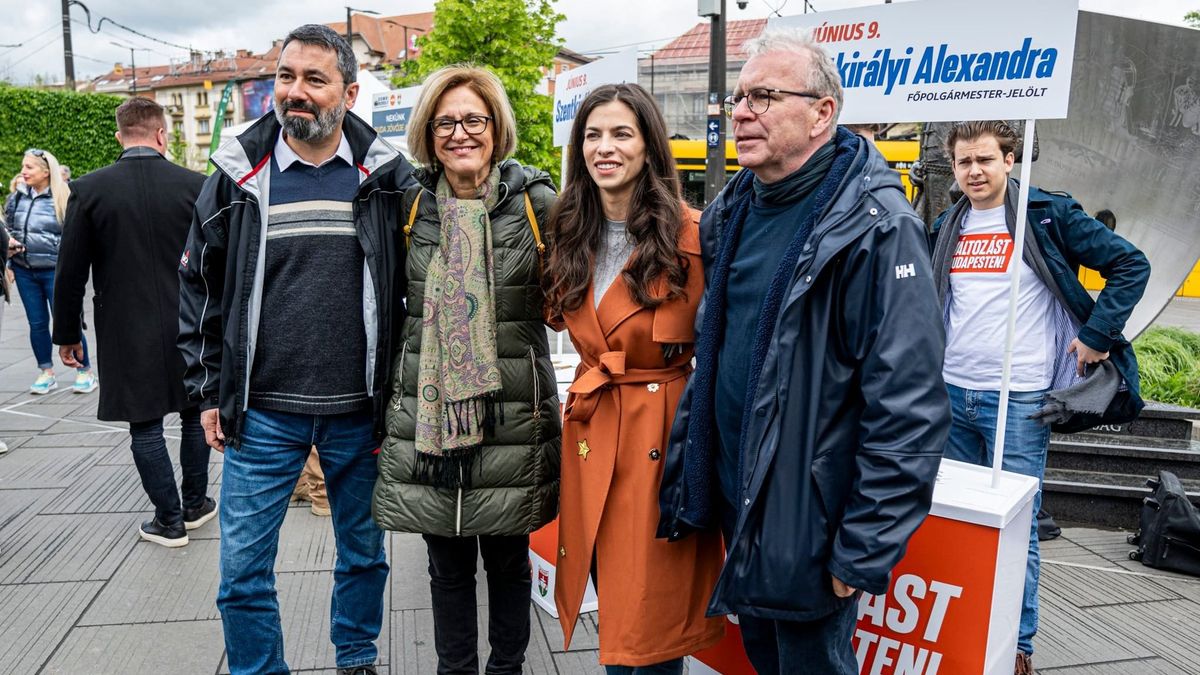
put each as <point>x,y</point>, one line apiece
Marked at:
<point>177,127</point>
<point>203,127</point>
<point>202,99</point>
<point>177,99</point>
<point>228,121</point>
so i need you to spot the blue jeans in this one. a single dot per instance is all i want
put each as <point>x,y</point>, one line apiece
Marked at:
<point>37,295</point>
<point>256,486</point>
<point>972,436</point>
<point>155,470</point>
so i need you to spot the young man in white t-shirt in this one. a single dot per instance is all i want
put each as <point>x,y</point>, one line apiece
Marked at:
<point>1059,329</point>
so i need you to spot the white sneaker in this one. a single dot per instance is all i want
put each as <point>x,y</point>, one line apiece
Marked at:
<point>3,447</point>
<point>44,384</point>
<point>85,382</point>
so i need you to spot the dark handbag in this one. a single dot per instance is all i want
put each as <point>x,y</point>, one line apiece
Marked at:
<point>1169,534</point>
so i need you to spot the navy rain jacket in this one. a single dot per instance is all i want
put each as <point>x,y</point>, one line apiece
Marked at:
<point>850,412</point>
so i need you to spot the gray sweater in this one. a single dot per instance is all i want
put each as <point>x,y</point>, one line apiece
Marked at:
<point>615,248</point>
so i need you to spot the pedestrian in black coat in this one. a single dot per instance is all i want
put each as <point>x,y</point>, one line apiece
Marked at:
<point>127,223</point>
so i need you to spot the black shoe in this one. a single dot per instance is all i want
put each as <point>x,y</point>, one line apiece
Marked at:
<point>358,670</point>
<point>171,536</point>
<point>193,518</point>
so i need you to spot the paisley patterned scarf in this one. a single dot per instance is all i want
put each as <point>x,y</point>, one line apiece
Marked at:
<point>458,376</point>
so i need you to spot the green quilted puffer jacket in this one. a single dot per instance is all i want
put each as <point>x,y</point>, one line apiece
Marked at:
<point>514,486</point>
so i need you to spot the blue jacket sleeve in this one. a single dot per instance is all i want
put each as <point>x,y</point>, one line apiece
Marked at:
<point>893,327</point>
<point>1086,241</point>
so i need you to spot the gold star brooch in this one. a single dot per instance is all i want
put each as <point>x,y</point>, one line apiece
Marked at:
<point>584,449</point>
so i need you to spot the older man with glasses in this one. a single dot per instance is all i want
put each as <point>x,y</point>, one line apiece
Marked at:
<point>817,411</point>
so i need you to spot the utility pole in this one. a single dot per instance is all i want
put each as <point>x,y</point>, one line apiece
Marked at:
<point>132,65</point>
<point>349,30</point>
<point>68,56</point>
<point>714,172</point>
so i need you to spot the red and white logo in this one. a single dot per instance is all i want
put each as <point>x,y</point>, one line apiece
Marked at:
<point>183,260</point>
<point>982,254</point>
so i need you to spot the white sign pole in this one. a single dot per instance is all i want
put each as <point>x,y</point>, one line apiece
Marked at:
<point>1014,289</point>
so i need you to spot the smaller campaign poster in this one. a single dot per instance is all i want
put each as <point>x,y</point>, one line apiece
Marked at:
<point>574,85</point>
<point>258,97</point>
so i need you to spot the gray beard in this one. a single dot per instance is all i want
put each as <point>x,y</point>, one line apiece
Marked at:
<point>307,130</point>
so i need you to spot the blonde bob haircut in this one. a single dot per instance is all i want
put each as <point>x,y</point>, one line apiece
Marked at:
<point>487,86</point>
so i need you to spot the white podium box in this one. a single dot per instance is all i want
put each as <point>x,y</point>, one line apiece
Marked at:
<point>954,605</point>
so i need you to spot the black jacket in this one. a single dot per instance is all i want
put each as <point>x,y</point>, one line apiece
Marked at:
<point>127,224</point>
<point>850,412</point>
<point>221,270</point>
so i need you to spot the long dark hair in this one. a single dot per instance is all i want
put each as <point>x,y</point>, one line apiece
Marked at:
<point>654,214</point>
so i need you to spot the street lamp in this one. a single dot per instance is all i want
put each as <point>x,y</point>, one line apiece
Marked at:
<point>349,30</point>
<point>406,29</point>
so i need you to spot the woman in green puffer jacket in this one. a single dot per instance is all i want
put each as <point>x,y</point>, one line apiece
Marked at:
<point>471,456</point>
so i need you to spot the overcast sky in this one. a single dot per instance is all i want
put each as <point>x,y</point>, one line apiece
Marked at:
<point>591,25</point>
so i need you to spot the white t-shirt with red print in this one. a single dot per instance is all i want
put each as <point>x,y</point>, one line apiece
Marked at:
<point>979,289</point>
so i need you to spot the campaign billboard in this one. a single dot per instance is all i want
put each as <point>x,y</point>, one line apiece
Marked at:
<point>943,60</point>
<point>391,112</point>
<point>574,85</point>
<point>258,97</point>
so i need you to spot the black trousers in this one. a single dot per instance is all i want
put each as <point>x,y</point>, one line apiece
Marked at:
<point>452,565</point>
<point>154,465</point>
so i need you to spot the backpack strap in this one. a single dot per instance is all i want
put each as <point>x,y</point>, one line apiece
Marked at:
<point>533,225</point>
<point>537,234</point>
<point>412,217</point>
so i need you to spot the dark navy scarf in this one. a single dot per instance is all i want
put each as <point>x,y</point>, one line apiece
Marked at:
<point>699,457</point>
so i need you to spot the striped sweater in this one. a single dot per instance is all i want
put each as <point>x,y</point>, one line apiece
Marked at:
<point>312,342</point>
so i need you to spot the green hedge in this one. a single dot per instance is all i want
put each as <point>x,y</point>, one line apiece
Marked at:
<point>1169,365</point>
<point>76,128</point>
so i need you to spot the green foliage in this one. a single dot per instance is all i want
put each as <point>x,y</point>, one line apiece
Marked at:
<point>178,148</point>
<point>1192,18</point>
<point>78,129</point>
<point>516,40</point>
<point>1169,365</point>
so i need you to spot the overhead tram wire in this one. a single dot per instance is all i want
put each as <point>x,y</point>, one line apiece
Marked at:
<point>100,24</point>
<point>121,36</point>
<point>26,41</point>
<point>52,40</point>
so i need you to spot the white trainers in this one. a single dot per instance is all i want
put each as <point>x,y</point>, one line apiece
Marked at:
<point>3,447</point>
<point>44,384</point>
<point>85,382</point>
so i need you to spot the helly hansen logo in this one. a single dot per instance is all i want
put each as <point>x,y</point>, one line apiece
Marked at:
<point>183,261</point>
<point>906,271</point>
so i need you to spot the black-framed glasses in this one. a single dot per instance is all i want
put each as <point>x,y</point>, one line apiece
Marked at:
<point>472,124</point>
<point>759,100</point>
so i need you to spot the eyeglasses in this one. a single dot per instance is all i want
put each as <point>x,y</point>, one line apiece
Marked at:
<point>759,100</point>
<point>35,152</point>
<point>473,125</point>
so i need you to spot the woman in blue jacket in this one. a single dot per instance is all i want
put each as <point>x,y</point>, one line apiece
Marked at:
<point>34,214</point>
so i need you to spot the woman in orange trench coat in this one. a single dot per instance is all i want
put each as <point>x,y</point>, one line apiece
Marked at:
<point>634,364</point>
